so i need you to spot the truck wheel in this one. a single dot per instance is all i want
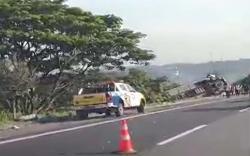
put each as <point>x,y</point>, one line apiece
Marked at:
<point>81,114</point>
<point>141,108</point>
<point>119,111</point>
<point>107,113</point>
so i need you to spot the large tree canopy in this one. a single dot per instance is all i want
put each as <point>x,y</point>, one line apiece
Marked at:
<point>50,38</point>
<point>48,34</point>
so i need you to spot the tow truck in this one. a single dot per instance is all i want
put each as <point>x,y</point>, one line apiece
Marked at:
<point>108,97</point>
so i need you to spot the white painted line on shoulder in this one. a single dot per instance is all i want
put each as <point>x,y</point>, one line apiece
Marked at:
<point>181,135</point>
<point>101,123</point>
<point>243,110</point>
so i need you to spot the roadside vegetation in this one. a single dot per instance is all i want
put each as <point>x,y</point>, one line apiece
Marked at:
<point>56,116</point>
<point>155,89</point>
<point>48,50</point>
<point>4,117</point>
<point>245,82</point>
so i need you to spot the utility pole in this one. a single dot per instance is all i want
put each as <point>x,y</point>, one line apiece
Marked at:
<point>211,62</point>
<point>221,57</point>
<point>177,74</point>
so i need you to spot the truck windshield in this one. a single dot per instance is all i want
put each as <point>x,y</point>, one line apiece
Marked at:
<point>130,88</point>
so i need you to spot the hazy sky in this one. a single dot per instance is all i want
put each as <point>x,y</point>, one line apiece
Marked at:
<point>183,30</point>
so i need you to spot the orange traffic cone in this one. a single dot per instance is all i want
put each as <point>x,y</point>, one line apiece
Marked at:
<point>126,146</point>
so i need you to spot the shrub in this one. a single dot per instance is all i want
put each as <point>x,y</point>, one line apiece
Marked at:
<point>4,117</point>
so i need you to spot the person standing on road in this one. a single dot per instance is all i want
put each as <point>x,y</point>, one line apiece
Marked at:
<point>237,90</point>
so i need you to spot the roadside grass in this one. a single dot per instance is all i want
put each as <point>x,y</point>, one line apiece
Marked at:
<point>56,116</point>
<point>5,118</point>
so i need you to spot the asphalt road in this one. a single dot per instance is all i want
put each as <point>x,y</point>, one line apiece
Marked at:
<point>227,137</point>
<point>218,129</point>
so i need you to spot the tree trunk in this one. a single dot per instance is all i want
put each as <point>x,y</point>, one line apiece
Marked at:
<point>14,109</point>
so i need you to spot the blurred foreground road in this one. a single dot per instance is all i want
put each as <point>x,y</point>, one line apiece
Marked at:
<point>213,129</point>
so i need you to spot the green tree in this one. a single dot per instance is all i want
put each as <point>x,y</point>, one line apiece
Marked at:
<point>56,45</point>
<point>245,82</point>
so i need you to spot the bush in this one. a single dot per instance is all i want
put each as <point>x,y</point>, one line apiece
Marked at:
<point>4,117</point>
<point>245,82</point>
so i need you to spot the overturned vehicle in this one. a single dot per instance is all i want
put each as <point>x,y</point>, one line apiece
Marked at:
<point>213,85</point>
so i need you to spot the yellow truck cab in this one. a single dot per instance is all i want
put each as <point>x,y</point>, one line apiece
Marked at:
<point>106,98</point>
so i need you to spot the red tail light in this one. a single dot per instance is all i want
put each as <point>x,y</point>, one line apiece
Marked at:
<point>108,98</point>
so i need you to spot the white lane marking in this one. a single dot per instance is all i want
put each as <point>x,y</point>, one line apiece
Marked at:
<point>181,135</point>
<point>243,110</point>
<point>101,123</point>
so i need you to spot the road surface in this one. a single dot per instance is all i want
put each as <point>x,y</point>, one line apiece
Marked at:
<point>217,128</point>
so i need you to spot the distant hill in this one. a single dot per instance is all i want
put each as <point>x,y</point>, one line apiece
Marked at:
<point>189,73</point>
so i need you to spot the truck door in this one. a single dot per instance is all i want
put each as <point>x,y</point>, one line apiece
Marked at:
<point>135,96</point>
<point>125,95</point>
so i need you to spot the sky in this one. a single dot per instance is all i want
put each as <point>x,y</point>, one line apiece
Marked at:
<point>189,31</point>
